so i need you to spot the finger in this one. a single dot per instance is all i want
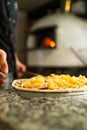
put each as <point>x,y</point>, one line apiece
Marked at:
<point>4,68</point>
<point>24,68</point>
<point>2,80</point>
<point>20,74</point>
<point>2,75</point>
<point>2,56</point>
<point>2,83</point>
<point>3,62</point>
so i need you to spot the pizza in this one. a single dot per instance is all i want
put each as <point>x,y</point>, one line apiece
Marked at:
<point>53,82</point>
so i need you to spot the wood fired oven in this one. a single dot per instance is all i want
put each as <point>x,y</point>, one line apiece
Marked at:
<point>58,41</point>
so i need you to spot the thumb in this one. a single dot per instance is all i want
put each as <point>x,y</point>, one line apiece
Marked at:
<point>3,62</point>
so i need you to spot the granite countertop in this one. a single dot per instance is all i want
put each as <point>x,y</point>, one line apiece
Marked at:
<point>67,112</point>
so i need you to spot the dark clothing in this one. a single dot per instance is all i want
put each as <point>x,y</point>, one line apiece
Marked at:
<point>7,26</point>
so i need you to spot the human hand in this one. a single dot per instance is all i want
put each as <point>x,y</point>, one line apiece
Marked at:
<point>20,68</point>
<point>3,68</point>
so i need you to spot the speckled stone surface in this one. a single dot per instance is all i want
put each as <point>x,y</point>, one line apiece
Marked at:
<point>63,112</point>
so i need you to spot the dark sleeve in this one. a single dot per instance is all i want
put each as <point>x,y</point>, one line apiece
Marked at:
<point>6,28</point>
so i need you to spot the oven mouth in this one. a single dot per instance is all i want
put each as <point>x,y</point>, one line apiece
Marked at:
<point>58,70</point>
<point>44,38</point>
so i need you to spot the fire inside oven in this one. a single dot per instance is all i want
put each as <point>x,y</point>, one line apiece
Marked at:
<point>45,38</point>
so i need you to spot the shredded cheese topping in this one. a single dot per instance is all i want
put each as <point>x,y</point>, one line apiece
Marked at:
<point>54,81</point>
